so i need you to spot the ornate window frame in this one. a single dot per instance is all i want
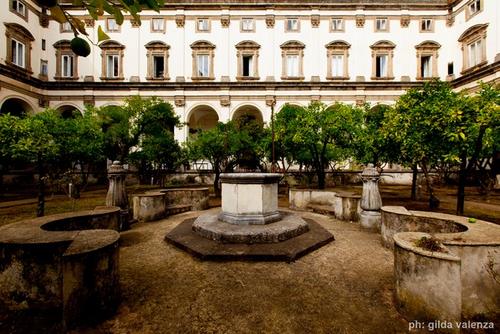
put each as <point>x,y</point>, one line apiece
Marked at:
<point>474,34</point>
<point>63,48</point>
<point>203,48</point>
<point>292,48</point>
<point>383,48</point>
<point>337,48</point>
<point>111,48</point>
<point>154,49</point>
<point>429,49</point>
<point>18,33</point>
<point>248,48</point>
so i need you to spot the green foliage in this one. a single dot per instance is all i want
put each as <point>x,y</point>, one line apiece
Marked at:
<point>319,136</point>
<point>143,123</point>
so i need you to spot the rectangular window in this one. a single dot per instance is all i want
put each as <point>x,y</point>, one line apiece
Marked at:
<point>381,66</point>
<point>44,44</point>
<point>337,25</point>
<point>66,27</point>
<point>426,66</point>
<point>292,24</point>
<point>247,24</point>
<point>292,65</point>
<point>202,64</point>
<point>202,25</point>
<point>44,68</point>
<point>475,6</point>
<point>111,25</point>
<point>337,65</point>
<point>158,24</point>
<point>426,25</point>
<point>381,24</point>
<point>247,66</point>
<point>159,66</point>
<point>113,66</point>
<point>19,7</point>
<point>450,68</point>
<point>67,66</point>
<point>475,53</point>
<point>18,53</point>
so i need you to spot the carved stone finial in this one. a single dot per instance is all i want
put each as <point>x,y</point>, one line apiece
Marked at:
<point>371,202</point>
<point>117,193</point>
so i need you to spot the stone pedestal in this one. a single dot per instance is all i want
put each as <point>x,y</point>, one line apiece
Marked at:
<point>250,198</point>
<point>371,202</point>
<point>117,193</point>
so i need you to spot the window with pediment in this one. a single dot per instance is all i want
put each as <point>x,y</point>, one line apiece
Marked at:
<point>427,55</point>
<point>203,53</point>
<point>248,60</point>
<point>18,46</point>
<point>66,61</point>
<point>382,60</point>
<point>337,53</point>
<point>292,55</point>
<point>157,55</point>
<point>473,42</point>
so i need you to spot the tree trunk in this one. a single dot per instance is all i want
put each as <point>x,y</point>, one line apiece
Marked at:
<point>321,178</point>
<point>414,183</point>
<point>40,211</point>
<point>462,175</point>
<point>217,189</point>
<point>433,200</point>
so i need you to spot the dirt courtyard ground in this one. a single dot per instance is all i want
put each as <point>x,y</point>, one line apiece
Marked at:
<point>344,287</point>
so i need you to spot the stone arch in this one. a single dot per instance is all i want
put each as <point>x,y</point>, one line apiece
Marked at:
<point>68,110</point>
<point>202,117</point>
<point>16,106</point>
<point>249,110</point>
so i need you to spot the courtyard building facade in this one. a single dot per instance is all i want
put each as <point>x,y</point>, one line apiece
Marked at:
<point>216,61</point>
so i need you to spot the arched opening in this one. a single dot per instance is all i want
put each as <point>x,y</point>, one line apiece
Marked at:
<point>202,118</point>
<point>68,111</point>
<point>16,107</point>
<point>248,113</point>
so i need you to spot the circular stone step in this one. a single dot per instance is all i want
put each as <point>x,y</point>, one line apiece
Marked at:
<point>210,227</point>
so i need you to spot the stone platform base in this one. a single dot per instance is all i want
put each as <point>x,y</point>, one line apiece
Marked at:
<point>209,226</point>
<point>289,250</point>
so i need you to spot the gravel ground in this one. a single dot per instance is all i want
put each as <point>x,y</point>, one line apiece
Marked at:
<point>344,287</point>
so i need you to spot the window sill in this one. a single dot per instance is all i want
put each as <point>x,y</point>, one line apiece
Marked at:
<point>427,78</point>
<point>158,79</point>
<point>292,78</point>
<point>66,78</point>
<point>202,78</point>
<point>242,78</point>
<point>474,68</point>
<point>337,78</point>
<point>111,79</point>
<point>382,78</point>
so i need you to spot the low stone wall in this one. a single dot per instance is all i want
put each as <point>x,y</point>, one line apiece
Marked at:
<point>196,197</point>
<point>299,199</point>
<point>458,283</point>
<point>64,266</point>
<point>155,205</point>
<point>345,205</point>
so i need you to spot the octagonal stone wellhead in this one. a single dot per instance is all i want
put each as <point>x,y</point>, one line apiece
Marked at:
<point>250,198</point>
<point>371,202</point>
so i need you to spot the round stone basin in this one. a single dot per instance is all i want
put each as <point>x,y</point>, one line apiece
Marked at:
<point>250,198</point>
